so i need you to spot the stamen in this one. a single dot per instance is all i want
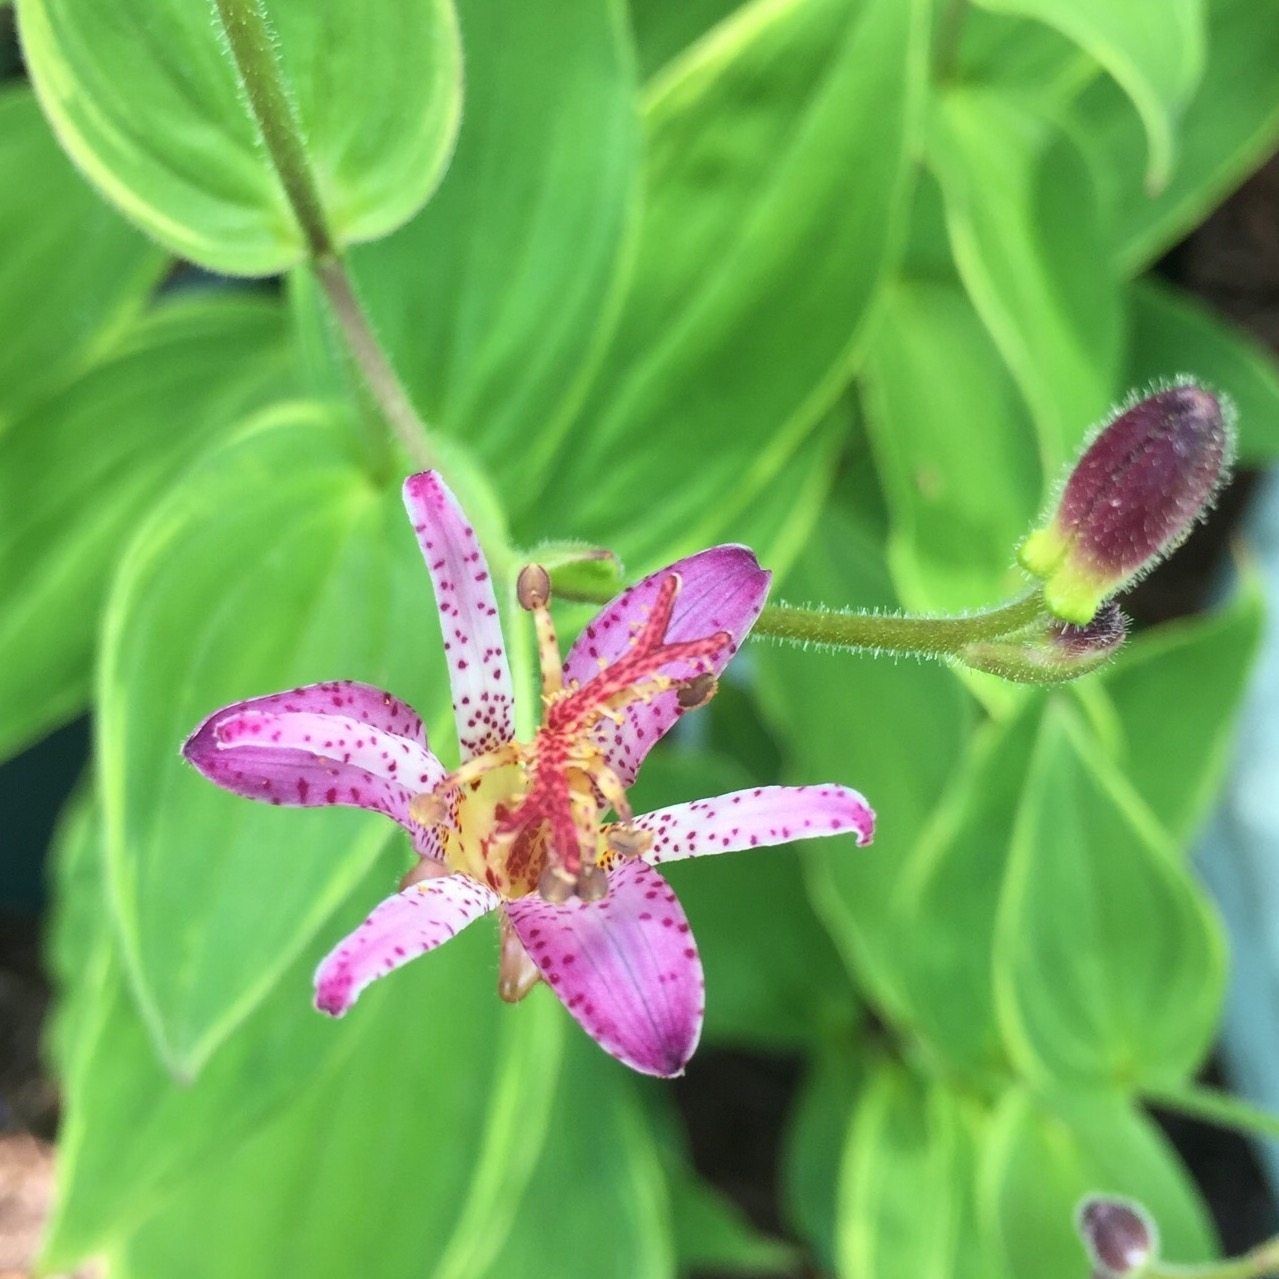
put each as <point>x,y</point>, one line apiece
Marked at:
<point>592,884</point>
<point>628,841</point>
<point>517,974</point>
<point>533,591</point>
<point>697,691</point>
<point>556,885</point>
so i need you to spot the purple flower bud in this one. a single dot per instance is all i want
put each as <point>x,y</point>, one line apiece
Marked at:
<point>1132,497</point>
<point>1119,1236</point>
<point>1053,651</point>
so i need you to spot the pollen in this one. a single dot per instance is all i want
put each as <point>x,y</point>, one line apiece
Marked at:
<point>529,816</point>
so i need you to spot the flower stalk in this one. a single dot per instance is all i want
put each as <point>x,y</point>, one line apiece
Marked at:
<point>251,44</point>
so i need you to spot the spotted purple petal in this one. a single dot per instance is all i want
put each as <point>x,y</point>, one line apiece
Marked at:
<point>755,819</point>
<point>400,928</point>
<point>469,623</point>
<point>723,589</point>
<point>625,967</point>
<point>339,743</point>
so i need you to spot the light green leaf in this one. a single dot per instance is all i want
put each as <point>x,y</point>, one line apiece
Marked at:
<point>74,272</point>
<point>905,1182</point>
<point>146,99</point>
<point>777,156</point>
<point>665,28</point>
<point>617,1227</point>
<point>1026,234</point>
<point>1174,750</point>
<point>1042,1158</point>
<point>72,491</point>
<point>1172,333</point>
<point>773,977</point>
<point>1108,963</point>
<point>954,447</point>
<point>413,1149</point>
<point>947,899</point>
<point>1153,48</point>
<point>893,731</point>
<point>1229,129</point>
<point>816,1134</point>
<point>494,301</point>
<point>275,563</point>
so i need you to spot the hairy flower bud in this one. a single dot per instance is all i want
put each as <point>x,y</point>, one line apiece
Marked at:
<point>1119,1236</point>
<point>1132,497</point>
<point>1051,652</point>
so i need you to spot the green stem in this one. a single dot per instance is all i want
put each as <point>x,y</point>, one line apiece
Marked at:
<point>1216,1107</point>
<point>379,375</point>
<point>252,46</point>
<point>1260,1262</point>
<point>872,632</point>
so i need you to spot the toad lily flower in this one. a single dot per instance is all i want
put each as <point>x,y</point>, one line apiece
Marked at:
<point>520,827</point>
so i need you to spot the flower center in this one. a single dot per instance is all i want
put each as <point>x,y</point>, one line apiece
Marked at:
<point>530,815</point>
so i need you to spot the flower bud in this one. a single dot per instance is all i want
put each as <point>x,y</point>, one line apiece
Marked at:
<point>1119,1236</point>
<point>1050,652</point>
<point>1132,497</point>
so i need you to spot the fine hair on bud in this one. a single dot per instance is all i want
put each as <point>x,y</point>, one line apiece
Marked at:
<point>1051,652</point>
<point>1118,1235</point>
<point>1136,492</point>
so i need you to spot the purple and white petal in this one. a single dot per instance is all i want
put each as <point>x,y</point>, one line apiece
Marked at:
<point>723,589</point>
<point>399,929</point>
<point>625,967</point>
<point>469,622</point>
<point>328,744</point>
<point>755,818</point>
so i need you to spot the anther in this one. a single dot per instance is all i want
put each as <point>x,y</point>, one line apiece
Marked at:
<point>592,884</point>
<point>629,841</point>
<point>556,885</point>
<point>697,691</point>
<point>428,809</point>
<point>533,587</point>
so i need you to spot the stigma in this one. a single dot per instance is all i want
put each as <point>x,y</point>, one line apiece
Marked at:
<point>534,816</point>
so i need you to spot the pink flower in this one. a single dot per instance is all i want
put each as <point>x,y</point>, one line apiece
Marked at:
<point>519,828</point>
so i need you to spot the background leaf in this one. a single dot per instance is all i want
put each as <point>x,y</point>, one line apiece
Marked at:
<point>76,471</point>
<point>146,100</point>
<point>74,272</point>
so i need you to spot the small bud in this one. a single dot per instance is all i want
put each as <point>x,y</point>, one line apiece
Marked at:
<point>628,841</point>
<point>592,884</point>
<point>556,885</point>
<point>1118,1235</point>
<point>697,691</point>
<point>1132,497</point>
<point>533,587</point>
<point>1051,652</point>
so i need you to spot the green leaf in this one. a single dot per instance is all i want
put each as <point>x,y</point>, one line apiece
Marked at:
<point>816,1134</point>
<point>617,1227</point>
<point>1042,1158</point>
<point>1027,237</point>
<point>146,99</point>
<point>892,731</point>
<point>494,301</point>
<point>905,1181</point>
<point>1153,48</point>
<point>777,157</point>
<point>1228,130</point>
<point>275,563</point>
<point>1172,333</point>
<point>74,272</point>
<point>947,900</point>
<point>1109,963</point>
<point>74,491</point>
<point>954,448</point>
<point>773,979</point>
<point>665,28</point>
<point>1175,750</point>
<point>413,1149</point>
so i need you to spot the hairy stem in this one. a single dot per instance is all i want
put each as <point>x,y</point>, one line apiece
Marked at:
<point>379,376</point>
<point>1260,1263</point>
<point>252,46</point>
<point>877,632</point>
